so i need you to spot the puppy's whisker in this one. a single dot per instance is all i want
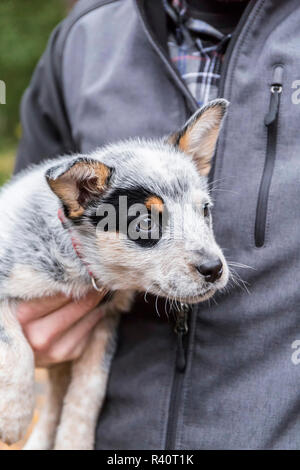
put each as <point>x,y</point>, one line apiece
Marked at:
<point>225,190</point>
<point>240,265</point>
<point>166,312</point>
<point>219,180</point>
<point>238,281</point>
<point>156,306</point>
<point>238,277</point>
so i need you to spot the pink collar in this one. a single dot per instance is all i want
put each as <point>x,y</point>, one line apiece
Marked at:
<point>76,245</point>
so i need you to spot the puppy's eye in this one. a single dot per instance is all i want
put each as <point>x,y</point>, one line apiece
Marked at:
<point>146,224</point>
<point>206,209</point>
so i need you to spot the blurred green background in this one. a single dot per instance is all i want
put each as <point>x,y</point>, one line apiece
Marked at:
<point>25,26</point>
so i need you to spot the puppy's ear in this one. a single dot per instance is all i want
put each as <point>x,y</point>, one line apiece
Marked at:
<point>199,135</point>
<point>77,182</point>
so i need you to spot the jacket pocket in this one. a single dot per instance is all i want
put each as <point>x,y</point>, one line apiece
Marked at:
<point>271,122</point>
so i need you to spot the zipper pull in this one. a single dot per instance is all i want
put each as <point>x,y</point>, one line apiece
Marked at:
<point>276,90</point>
<point>181,329</point>
<point>274,104</point>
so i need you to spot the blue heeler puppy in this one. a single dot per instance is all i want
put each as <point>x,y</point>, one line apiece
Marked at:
<point>65,229</point>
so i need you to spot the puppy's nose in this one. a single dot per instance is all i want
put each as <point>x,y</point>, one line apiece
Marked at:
<point>211,270</point>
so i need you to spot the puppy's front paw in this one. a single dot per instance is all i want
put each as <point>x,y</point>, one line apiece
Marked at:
<point>71,442</point>
<point>16,403</point>
<point>16,410</point>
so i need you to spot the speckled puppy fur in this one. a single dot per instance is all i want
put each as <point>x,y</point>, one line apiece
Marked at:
<point>38,257</point>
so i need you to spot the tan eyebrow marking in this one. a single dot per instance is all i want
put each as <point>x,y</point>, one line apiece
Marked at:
<point>154,201</point>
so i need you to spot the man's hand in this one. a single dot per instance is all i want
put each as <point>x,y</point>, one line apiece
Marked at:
<point>57,327</point>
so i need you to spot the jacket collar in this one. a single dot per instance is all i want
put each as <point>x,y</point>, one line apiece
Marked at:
<point>154,15</point>
<point>154,21</point>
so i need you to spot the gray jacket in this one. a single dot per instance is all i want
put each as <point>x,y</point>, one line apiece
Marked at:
<point>106,76</point>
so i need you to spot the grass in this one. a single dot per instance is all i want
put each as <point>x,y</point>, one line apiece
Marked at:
<point>7,158</point>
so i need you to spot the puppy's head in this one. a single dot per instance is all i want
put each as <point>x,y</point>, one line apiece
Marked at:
<point>141,211</point>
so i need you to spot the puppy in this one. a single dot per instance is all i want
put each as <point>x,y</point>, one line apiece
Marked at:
<point>131,217</point>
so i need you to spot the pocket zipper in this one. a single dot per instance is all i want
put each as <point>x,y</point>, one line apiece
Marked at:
<point>271,122</point>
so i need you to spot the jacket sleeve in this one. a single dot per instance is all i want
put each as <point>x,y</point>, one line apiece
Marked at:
<point>46,130</point>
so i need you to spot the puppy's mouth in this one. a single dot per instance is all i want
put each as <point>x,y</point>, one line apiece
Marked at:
<point>201,297</point>
<point>189,299</point>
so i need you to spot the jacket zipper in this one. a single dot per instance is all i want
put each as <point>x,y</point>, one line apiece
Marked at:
<point>181,329</point>
<point>271,123</point>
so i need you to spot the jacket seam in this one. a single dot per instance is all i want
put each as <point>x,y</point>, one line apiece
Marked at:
<point>65,33</point>
<point>63,30</point>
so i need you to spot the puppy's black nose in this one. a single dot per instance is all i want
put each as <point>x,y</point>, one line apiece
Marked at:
<point>211,270</point>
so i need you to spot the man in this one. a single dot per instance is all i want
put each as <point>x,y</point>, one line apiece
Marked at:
<point>120,68</point>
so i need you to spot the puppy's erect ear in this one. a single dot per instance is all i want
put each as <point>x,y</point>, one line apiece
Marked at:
<point>199,135</point>
<point>77,182</point>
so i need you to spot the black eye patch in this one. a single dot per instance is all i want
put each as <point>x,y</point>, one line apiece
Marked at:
<point>131,215</point>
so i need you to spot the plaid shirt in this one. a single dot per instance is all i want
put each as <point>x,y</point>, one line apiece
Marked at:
<point>199,62</point>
